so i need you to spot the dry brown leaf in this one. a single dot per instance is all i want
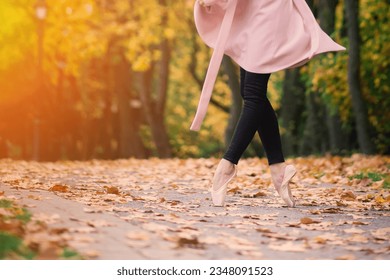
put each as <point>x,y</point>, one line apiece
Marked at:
<point>320,240</point>
<point>90,210</point>
<point>353,230</point>
<point>50,252</point>
<point>135,198</point>
<point>341,204</point>
<point>99,223</point>
<point>12,226</point>
<point>234,190</point>
<point>381,233</point>
<point>358,238</point>
<point>331,210</point>
<point>112,190</point>
<point>59,188</point>
<point>359,223</point>
<point>263,230</point>
<point>308,221</point>
<point>82,230</point>
<point>279,236</point>
<point>189,242</point>
<point>58,231</point>
<point>258,194</point>
<point>35,197</point>
<point>348,195</point>
<point>346,257</point>
<point>380,199</point>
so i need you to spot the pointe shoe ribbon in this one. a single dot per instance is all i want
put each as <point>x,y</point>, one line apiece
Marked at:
<point>218,196</point>
<point>285,192</point>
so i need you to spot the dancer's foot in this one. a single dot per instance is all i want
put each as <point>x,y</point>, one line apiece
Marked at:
<point>281,176</point>
<point>225,172</point>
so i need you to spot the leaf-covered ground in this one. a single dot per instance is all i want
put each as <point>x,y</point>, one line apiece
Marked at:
<point>160,209</point>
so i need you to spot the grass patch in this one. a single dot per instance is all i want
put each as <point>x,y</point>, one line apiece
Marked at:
<point>13,232</point>
<point>373,176</point>
<point>5,203</point>
<point>24,216</point>
<point>70,254</point>
<point>12,247</point>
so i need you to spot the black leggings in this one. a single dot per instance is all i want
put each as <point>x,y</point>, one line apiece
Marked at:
<point>257,115</point>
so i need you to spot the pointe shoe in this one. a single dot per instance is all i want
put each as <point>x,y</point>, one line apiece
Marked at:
<point>218,196</point>
<point>284,191</point>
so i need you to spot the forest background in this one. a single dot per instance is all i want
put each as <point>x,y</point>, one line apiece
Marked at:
<point>108,79</point>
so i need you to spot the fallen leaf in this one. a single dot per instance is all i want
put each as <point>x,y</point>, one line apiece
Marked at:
<point>59,188</point>
<point>89,210</point>
<point>288,247</point>
<point>189,242</point>
<point>82,230</point>
<point>346,257</point>
<point>34,197</point>
<point>341,204</point>
<point>308,221</point>
<point>358,238</point>
<point>234,190</point>
<point>348,195</point>
<point>320,240</point>
<point>331,210</point>
<point>359,223</point>
<point>91,253</point>
<point>353,230</point>
<point>112,190</point>
<point>381,233</point>
<point>138,235</point>
<point>379,199</point>
<point>258,194</point>
<point>50,252</point>
<point>264,230</point>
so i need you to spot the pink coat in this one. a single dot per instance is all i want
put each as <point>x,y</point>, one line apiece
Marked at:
<point>262,36</point>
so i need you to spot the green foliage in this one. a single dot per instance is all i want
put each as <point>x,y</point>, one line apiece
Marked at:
<point>70,254</point>
<point>4,203</point>
<point>12,246</point>
<point>375,49</point>
<point>375,177</point>
<point>85,41</point>
<point>24,215</point>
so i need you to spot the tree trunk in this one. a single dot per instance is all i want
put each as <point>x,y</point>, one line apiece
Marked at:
<point>314,134</point>
<point>130,143</point>
<point>292,105</point>
<point>236,105</point>
<point>199,81</point>
<point>358,105</point>
<point>153,116</point>
<point>337,137</point>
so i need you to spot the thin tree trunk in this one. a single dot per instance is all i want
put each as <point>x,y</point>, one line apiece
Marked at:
<point>314,134</point>
<point>236,105</point>
<point>154,118</point>
<point>130,143</point>
<point>292,105</point>
<point>358,105</point>
<point>337,137</point>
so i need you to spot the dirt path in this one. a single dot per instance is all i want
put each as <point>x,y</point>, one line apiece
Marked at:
<point>156,209</point>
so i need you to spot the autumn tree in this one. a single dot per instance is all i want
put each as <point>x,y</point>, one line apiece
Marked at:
<point>358,104</point>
